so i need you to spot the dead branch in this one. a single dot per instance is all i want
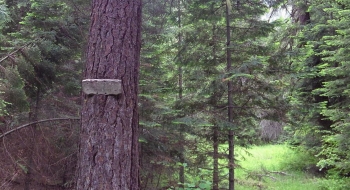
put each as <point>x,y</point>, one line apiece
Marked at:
<point>35,122</point>
<point>14,52</point>
<point>278,172</point>
<point>272,177</point>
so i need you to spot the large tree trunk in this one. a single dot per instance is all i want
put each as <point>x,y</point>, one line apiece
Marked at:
<point>108,152</point>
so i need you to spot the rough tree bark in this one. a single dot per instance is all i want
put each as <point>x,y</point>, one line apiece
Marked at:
<point>108,153</point>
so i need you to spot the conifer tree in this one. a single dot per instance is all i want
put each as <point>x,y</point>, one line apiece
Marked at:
<point>334,71</point>
<point>320,65</point>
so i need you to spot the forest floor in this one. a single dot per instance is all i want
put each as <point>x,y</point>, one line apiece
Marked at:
<point>279,167</point>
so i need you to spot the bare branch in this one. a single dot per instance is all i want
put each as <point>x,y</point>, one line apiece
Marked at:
<point>35,122</point>
<point>14,52</point>
<point>280,173</point>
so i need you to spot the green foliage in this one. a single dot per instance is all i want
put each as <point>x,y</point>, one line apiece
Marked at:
<point>54,31</point>
<point>3,105</point>
<point>13,90</point>
<point>4,16</point>
<point>334,184</point>
<point>197,182</point>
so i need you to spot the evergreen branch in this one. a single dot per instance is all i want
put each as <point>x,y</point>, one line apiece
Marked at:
<point>35,122</point>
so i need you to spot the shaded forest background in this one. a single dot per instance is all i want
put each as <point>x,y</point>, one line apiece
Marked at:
<point>290,84</point>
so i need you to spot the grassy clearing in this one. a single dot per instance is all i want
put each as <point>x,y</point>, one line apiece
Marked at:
<point>278,167</point>
<point>267,167</point>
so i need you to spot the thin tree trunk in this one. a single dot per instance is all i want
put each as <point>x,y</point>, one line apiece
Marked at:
<point>231,147</point>
<point>182,157</point>
<point>215,128</point>
<point>108,156</point>
<point>33,116</point>
<point>215,158</point>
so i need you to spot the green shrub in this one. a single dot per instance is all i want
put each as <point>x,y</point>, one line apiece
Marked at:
<point>298,160</point>
<point>334,184</point>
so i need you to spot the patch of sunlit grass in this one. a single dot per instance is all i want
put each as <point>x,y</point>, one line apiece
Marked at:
<point>268,167</point>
